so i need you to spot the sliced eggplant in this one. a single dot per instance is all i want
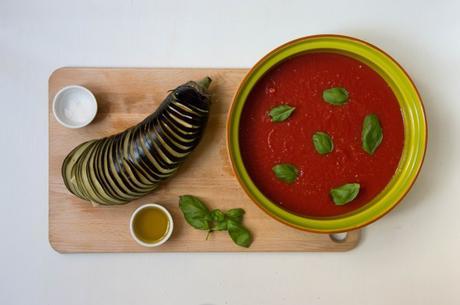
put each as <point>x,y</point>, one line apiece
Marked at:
<point>128,165</point>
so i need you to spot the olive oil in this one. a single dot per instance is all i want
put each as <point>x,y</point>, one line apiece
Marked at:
<point>150,224</point>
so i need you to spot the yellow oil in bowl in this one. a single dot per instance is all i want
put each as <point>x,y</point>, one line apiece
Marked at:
<point>151,225</point>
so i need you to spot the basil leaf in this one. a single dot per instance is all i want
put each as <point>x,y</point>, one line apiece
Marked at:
<point>335,96</point>
<point>322,142</point>
<point>235,214</point>
<point>219,226</point>
<point>281,113</point>
<point>199,223</point>
<point>372,134</point>
<point>285,172</point>
<point>239,234</point>
<point>218,220</point>
<point>195,212</point>
<point>217,215</point>
<point>192,206</point>
<point>345,193</point>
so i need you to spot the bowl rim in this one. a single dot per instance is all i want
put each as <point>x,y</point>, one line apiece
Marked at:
<point>342,222</point>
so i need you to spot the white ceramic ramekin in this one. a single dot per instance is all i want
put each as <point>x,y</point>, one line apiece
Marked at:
<point>165,237</point>
<point>72,99</point>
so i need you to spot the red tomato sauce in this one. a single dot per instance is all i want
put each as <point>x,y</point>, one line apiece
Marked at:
<point>300,82</point>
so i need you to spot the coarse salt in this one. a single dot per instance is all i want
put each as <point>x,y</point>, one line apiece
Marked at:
<point>78,110</point>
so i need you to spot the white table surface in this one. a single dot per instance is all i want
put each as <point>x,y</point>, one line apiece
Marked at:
<point>409,257</point>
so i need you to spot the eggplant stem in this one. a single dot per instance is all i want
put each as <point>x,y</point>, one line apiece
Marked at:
<point>204,82</point>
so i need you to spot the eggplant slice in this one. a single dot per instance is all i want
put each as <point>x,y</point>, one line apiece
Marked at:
<point>128,165</point>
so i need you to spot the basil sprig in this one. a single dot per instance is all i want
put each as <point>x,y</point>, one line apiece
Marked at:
<point>198,215</point>
<point>281,113</point>
<point>336,96</point>
<point>345,193</point>
<point>285,172</point>
<point>322,142</point>
<point>372,134</point>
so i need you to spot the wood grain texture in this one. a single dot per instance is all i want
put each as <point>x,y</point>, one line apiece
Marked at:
<point>126,96</point>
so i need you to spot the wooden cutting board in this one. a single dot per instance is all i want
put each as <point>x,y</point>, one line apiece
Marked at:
<point>125,96</point>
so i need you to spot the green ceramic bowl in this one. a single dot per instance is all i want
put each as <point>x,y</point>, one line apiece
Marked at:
<point>415,131</point>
